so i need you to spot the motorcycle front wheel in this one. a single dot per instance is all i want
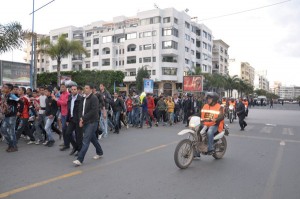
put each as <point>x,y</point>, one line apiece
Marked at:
<point>184,154</point>
<point>220,147</point>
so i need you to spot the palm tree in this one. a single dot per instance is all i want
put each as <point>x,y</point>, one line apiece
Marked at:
<point>11,36</point>
<point>231,83</point>
<point>61,49</point>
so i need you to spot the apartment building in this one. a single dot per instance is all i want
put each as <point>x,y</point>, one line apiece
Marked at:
<point>289,92</point>
<point>42,61</point>
<point>242,69</point>
<point>261,82</point>
<point>220,57</point>
<point>168,42</point>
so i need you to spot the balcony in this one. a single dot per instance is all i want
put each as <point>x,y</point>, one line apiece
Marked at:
<point>215,50</point>
<point>76,59</point>
<point>169,51</point>
<point>130,79</point>
<point>78,36</point>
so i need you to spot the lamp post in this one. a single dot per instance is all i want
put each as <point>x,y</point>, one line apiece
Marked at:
<point>32,68</point>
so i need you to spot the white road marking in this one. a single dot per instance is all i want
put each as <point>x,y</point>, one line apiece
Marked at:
<point>271,124</point>
<point>290,131</point>
<point>266,129</point>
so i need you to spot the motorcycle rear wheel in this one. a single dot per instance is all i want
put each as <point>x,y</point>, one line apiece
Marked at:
<point>220,147</point>
<point>184,154</point>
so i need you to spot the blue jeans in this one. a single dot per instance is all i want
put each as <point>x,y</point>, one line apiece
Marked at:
<point>116,120</point>
<point>135,116</point>
<point>103,124</point>
<point>8,129</point>
<point>145,116</point>
<point>171,118</point>
<point>64,130</point>
<point>89,135</point>
<point>129,115</point>
<point>48,128</point>
<point>210,133</point>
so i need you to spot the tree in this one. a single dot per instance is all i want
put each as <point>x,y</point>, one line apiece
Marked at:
<point>231,83</point>
<point>141,75</point>
<point>61,49</point>
<point>11,36</point>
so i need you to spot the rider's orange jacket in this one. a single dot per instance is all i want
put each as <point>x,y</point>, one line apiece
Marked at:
<point>212,112</point>
<point>232,103</point>
<point>224,102</point>
<point>245,103</point>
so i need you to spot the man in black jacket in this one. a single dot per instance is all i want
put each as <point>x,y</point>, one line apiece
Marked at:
<point>240,110</point>
<point>104,101</point>
<point>118,108</point>
<point>89,117</point>
<point>50,113</point>
<point>74,106</point>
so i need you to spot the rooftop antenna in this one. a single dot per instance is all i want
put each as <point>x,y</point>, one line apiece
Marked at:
<point>156,6</point>
<point>186,10</point>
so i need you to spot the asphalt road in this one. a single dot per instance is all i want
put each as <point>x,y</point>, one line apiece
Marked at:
<point>262,162</point>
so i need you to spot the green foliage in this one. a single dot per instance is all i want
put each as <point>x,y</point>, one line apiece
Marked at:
<point>11,36</point>
<point>86,76</point>
<point>141,75</point>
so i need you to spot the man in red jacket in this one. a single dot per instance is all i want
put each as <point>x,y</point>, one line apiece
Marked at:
<point>151,107</point>
<point>63,103</point>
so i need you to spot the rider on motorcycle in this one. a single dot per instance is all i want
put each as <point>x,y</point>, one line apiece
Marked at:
<point>233,103</point>
<point>213,116</point>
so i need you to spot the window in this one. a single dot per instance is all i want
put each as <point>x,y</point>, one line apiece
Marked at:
<point>186,49</point>
<point>152,20</point>
<point>88,55</point>
<point>141,47</point>
<point>146,59</point>
<point>131,36</point>
<point>121,40</point>
<point>106,39</point>
<point>175,20</point>
<point>105,62</point>
<point>205,34</point>
<point>209,47</point>
<point>169,32</point>
<point>154,33</point>
<point>166,20</point>
<point>204,45</point>
<point>96,41</point>
<point>169,59</point>
<point>147,47</point>
<point>154,46</point>
<point>88,34</point>
<point>147,34</point>
<point>88,44</point>
<point>153,59</point>
<point>192,52</point>
<point>65,66</point>
<point>131,47</point>
<point>169,71</point>
<point>54,67</point>
<point>153,72</point>
<point>140,60</point>
<point>105,51</point>
<point>96,52</point>
<point>95,64</point>
<point>187,25</point>
<point>133,73</point>
<point>131,60</point>
<point>87,65</point>
<point>187,37</point>
<point>54,37</point>
<point>43,69</point>
<point>43,60</point>
<point>193,40</point>
<point>187,61</point>
<point>209,37</point>
<point>169,44</point>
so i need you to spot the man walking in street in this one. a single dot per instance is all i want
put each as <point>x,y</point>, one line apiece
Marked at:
<point>240,110</point>
<point>74,106</point>
<point>118,108</point>
<point>105,98</point>
<point>89,118</point>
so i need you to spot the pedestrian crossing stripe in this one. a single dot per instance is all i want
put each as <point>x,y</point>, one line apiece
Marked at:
<point>287,131</point>
<point>266,129</point>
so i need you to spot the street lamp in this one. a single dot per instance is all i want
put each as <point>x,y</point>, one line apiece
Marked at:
<point>32,69</point>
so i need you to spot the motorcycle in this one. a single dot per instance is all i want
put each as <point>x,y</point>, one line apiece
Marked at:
<point>231,113</point>
<point>196,143</point>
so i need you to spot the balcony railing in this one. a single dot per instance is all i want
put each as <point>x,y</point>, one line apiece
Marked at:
<point>76,58</point>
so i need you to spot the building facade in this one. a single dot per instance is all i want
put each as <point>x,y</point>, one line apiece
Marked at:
<point>289,92</point>
<point>220,57</point>
<point>243,70</point>
<point>166,41</point>
<point>42,60</point>
<point>261,82</point>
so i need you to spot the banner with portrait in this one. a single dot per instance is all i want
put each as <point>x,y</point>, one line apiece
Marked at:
<point>148,85</point>
<point>193,83</point>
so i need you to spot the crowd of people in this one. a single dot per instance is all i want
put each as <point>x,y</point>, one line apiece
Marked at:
<point>72,112</point>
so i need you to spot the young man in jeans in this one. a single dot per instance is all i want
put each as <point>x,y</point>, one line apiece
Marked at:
<point>9,107</point>
<point>50,113</point>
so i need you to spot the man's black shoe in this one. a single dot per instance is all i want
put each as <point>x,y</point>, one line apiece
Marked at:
<point>73,151</point>
<point>242,129</point>
<point>64,148</point>
<point>211,152</point>
<point>76,154</point>
<point>245,124</point>
<point>50,143</point>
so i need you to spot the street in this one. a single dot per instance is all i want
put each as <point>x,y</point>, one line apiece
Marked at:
<point>260,163</point>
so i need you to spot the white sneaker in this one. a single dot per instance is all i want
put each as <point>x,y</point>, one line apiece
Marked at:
<point>100,136</point>
<point>77,163</point>
<point>46,142</point>
<point>37,142</point>
<point>31,142</point>
<point>127,126</point>
<point>96,157</point>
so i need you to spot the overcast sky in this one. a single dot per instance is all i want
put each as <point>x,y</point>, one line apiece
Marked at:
<point>267,38</point>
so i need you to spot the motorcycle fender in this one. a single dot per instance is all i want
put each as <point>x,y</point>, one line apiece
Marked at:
<point>220,135</point>
<point>185,131</point>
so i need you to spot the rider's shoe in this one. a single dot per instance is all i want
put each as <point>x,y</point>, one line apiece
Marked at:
<point>211,152</point>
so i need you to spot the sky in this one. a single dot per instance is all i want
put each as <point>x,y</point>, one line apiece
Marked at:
<point>267,38</point>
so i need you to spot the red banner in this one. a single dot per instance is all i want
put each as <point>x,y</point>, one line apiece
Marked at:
<point>193,83</point>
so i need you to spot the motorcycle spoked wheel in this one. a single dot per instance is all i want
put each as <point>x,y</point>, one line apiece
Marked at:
<point>184,154</point>
<point>220,147</point>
